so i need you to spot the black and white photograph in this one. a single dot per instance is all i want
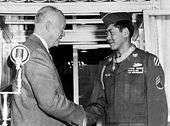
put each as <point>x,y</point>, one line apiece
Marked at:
<point>84,62</point>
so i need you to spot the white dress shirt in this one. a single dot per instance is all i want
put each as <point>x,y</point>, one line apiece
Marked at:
<point>43,41</point>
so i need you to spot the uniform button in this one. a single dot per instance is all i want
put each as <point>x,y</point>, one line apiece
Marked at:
<point>107,75</point>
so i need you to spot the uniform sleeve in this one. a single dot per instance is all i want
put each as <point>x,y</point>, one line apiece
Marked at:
<point>96,107</point>
<point>47,89</point>
<point>156,97</point>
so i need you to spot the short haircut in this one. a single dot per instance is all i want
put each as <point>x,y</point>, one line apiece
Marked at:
<point>125,24</point>
<point>42,13</point>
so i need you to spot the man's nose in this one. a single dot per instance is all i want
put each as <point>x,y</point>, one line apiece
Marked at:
<point>108,37</point>
<point>62,35</point>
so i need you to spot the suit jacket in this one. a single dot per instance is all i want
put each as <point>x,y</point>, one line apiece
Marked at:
<point>42,101</point>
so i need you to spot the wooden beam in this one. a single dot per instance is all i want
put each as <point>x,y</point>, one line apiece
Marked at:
<point>70,8</point>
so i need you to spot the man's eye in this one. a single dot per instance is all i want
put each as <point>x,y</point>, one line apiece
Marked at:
<point>108,32</point>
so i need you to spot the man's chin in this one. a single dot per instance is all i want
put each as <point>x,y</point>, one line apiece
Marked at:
<point>113,47</point>
<point>56,43</point>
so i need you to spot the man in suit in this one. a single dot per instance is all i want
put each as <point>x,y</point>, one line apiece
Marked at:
<point>129,84</point>
<point>42,101</point>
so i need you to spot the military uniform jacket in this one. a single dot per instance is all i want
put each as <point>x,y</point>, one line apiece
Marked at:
<point>129,91</point>
<point>42,101</point>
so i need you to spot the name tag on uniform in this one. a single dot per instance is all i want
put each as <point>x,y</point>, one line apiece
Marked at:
<point>137,68</point>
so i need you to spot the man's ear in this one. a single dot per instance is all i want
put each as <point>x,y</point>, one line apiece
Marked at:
<point>48,26</point>
<point>125,32</point>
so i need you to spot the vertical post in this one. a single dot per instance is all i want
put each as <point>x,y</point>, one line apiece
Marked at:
<point>5,110</point>
<point>1,55</point>
<point>146,31</point>
<point>141,38</point>
<point>151,44</point>
<point>75,76</point>
<point>75,70</point>
<point>19,79</point>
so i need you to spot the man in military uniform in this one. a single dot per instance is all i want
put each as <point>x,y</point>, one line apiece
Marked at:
<point>129,85</point>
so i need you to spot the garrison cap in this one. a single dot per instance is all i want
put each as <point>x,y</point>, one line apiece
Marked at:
<point>112,18</point>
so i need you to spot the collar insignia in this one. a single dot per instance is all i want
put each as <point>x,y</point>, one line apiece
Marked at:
<point>137,65</point>
<point>110,59</point>
<point>135,55</point>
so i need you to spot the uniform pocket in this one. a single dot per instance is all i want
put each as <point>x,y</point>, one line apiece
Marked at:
<point>137,93</point>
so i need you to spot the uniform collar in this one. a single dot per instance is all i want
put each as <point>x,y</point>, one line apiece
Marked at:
<point>43,41</point>
<point>125,54</point>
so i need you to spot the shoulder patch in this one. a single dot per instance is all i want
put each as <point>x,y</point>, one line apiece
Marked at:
<point>109,58</point>
<point>158,83</point>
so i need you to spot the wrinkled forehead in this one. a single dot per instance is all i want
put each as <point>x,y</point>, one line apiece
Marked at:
<point>59,20</point>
